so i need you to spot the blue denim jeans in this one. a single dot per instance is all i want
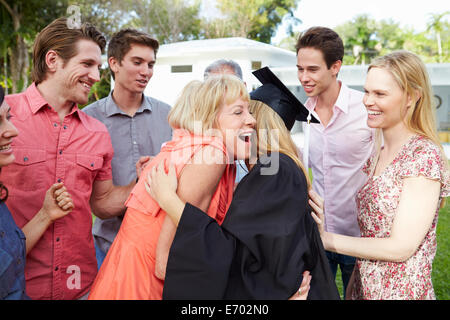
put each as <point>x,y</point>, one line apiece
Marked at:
<point>100,255</point>
<point>346,263</point>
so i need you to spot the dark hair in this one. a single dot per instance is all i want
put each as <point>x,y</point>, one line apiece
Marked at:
<point>2,95</point>
<point>59,37</point>
<point>3,192</point>
<point>121,42</point>
<point>325,40</point>
<point>3,189</point>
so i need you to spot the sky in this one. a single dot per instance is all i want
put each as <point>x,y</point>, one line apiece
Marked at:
<point>331,13</point>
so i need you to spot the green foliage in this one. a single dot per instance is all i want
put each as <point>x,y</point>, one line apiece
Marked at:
<point>256,19</point>
<point>180,20</point>
<point>360,39</point>
<point>289,43</point>
<point>440,275</point>
<point>34,15</point>
<point>376,38</point>
<point>100,89</point>
<point>365,38</point>
<point>109,16</point>
<point>168,20</point>
<point>440,29</point>
<point>20,23</point>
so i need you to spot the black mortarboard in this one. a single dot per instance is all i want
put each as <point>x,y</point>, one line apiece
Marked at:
<point>277,96</point>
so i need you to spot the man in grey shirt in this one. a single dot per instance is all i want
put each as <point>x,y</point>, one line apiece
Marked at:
<point>137,123</point>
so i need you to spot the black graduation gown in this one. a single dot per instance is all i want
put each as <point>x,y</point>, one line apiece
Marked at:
<point>267,240</point>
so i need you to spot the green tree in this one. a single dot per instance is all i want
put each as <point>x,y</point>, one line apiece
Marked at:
<point>390,36</point>
<point>253,19</point>
<point>289,42</point>
<point>365,38</point>
<point>21,21</point>
<point>168,20</point>
<point>436,24</point>
<point>359,37</point>
<point>100,89</point>
<point>109,16</point>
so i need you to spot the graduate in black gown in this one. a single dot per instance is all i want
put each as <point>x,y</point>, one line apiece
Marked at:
<point>268,237</point>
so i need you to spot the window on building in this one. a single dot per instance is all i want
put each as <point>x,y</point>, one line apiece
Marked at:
<point>181,68</point>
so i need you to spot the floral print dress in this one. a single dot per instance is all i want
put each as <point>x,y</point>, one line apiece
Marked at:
<point>377,203</point>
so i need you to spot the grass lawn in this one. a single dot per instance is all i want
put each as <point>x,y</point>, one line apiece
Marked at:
<point>440,275</point>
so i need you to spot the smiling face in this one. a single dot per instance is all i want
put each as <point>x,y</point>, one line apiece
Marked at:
<point>77,75</point>
<point>7,133</point>
<point>237,127</point>
<point>136,68</point>
<point>313,72</point>
<point>384,99</point>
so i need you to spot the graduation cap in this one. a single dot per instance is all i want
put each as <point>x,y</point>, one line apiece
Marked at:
<point>277,96</point>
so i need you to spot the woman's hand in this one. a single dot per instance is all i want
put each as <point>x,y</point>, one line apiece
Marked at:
<point>316,203</point>
<point>303,291</point>
<point>57,203</point>
<point>161,186</point>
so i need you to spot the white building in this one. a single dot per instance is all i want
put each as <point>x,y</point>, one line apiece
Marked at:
<point>178,63</point>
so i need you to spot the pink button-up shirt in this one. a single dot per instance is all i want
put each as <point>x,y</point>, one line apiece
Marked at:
<point>336,155</point>
<point>62,265</point>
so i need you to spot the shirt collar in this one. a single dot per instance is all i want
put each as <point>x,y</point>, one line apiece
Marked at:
<point>111,108</point>
<point>343,98</point>
<point>341,102</point>
<point>37,101</point>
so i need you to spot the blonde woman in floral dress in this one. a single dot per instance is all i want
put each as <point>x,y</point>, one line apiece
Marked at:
<point>408,178</point>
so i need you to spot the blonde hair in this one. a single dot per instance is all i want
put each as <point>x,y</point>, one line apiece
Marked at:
<point>411,76</point>
<point>410,73</point>
<point>273,136</point>
<point>199,103</point>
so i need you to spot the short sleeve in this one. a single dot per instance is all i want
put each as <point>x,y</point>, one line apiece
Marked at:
<point>105,172</point>
<point>427,160</point>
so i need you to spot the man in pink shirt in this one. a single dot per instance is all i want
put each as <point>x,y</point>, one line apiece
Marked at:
<point>59,143</point>
<point>341,143</point>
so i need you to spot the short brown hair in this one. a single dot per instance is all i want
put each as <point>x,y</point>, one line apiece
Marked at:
<point>59,37</point>
<point>325,40</point>
<point>121,42</point>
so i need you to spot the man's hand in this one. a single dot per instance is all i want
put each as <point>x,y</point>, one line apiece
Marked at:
<point>141,163</point>
<point>57,203</point>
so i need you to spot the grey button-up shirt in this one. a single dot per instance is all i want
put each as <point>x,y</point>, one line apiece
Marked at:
<point>131,137</point>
